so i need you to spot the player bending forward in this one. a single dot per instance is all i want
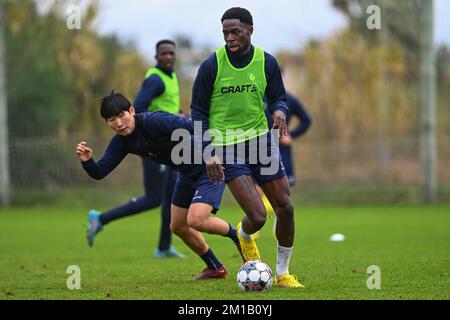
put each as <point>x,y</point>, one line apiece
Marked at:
<point>195,197</point>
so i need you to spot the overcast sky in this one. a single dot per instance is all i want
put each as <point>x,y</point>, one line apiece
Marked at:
<point>278,23</point>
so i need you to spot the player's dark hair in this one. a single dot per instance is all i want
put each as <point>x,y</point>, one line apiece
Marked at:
<point>164,41</point>
<point>113,104</point>
<point>238,13</point>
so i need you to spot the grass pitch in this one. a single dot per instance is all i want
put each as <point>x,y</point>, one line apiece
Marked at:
<point>410,244</point>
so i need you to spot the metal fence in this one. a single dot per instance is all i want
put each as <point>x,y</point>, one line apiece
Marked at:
<point>49,163</point>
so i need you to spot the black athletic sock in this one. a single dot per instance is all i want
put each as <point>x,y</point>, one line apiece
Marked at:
<point>211,260</point>
<point>232,234</point>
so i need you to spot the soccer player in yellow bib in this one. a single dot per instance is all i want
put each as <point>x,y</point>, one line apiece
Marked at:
<point>228,96</point>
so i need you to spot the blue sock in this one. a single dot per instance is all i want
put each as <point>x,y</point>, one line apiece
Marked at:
<point>232,234</point>
<point>211,260</point>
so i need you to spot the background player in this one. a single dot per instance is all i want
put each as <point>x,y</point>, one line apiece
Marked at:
<point>295,109</point>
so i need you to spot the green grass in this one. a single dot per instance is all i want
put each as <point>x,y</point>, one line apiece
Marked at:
<point>411,245</point>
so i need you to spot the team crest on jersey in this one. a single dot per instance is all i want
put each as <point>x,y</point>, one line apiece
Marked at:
<point>251,76</point>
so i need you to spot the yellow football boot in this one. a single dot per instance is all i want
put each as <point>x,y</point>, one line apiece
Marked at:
<point>249,247</point>
<point>287,281</point>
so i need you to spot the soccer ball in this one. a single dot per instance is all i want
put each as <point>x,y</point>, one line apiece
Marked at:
<point>254,275</point>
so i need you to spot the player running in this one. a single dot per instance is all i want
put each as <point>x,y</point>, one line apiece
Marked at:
<point>229,94</point>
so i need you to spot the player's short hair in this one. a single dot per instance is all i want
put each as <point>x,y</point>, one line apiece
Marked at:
<point>164,41</point>
<point>238,13</point>
<point>113,104</point>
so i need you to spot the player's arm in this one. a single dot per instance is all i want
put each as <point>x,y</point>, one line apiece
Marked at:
<point>201,98</point>
<point>298,109</point>
<point>276,94</point>
<point>202,91</point>
<point>114,154</point>
<point>151,88</point>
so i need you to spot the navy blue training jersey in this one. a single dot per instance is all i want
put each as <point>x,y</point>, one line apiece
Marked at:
<point>150,139</point>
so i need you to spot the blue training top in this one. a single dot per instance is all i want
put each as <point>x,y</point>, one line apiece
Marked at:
<point>150,139</point>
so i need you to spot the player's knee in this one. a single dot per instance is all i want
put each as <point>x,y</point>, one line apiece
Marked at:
<point>196,222</point>
<point>258,220</point>
<point>178,228</point>
<point>285,210</point>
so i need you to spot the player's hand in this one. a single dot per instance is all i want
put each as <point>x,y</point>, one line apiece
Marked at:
<point>84,153</point>
<point>279,122</point>
<point>184,115</point>
<point>215,170</point>
<point>286,140</point>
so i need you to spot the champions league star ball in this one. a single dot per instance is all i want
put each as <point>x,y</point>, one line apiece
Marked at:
<point>255,275</point>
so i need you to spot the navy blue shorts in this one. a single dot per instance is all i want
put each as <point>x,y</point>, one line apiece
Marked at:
<point>195,187</point>
<point>258,157</point>
<point>233,171</point>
